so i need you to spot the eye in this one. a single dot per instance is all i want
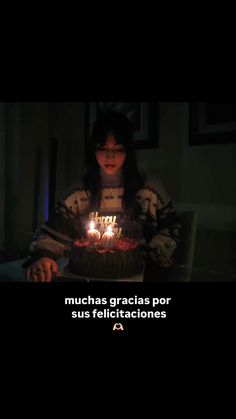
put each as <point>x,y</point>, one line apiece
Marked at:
<point>107,150</point>
<point>119,150</point>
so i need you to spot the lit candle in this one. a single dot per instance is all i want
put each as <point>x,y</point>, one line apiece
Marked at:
<point>92,233</point>
<point>108,238</point>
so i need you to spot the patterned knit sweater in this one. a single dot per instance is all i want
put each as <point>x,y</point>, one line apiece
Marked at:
<point>156,225</point>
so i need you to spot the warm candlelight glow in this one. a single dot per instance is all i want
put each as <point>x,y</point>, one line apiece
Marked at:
<point>108,238</point>
<point>109,229</point>
<point>92,233</point>
<point>103,222</point>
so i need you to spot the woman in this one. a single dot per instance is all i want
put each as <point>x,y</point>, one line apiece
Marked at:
<point>112,184</point>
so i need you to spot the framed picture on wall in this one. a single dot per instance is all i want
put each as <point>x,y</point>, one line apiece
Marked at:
<point>212,123</point>
<point>144,117</point>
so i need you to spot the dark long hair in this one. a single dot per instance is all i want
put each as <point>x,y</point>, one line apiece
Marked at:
<point>121,127</point>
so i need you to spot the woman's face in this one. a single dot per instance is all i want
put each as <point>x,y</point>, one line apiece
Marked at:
<point>110,156</point>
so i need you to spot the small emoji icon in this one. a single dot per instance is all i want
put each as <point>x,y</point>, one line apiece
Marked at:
<point>118,326</point>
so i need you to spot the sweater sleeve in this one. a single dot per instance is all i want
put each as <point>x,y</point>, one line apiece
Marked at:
<point>162,222</point>
<point>55,237</point>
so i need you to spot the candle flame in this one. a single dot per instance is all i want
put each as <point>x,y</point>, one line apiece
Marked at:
<point>109,229</point>
<point>92,224</point>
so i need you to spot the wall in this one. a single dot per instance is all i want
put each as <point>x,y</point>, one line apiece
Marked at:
<point>197,177</point>
<point>165,161</point>
<point>68,125</point>
<point>26,130</point>
<point>34,167</point>
<point>200,178</point>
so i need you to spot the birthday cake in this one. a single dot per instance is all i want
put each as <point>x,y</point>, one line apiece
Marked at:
<point>105,252</point>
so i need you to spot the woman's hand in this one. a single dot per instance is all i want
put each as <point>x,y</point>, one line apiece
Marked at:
<point>42,270</point>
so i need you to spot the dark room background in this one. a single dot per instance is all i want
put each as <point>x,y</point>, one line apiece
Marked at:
<point>199,177</point>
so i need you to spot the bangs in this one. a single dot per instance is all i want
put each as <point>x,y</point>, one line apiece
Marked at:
<point>118,136</point>
<point>113,123</point>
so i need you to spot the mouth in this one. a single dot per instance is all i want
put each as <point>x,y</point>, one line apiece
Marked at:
<point>110,166</point>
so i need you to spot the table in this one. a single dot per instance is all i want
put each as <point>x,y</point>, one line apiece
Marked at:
<point>13,272</point>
